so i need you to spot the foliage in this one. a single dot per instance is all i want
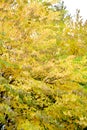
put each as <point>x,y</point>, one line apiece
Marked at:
<point>43,67</point>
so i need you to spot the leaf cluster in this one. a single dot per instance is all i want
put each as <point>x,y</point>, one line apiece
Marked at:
<point>43,68</point>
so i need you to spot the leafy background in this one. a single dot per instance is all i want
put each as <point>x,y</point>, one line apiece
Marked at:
<point>43,67</point>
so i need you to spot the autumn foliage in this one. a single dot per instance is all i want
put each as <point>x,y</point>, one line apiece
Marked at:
<point>43,67</point>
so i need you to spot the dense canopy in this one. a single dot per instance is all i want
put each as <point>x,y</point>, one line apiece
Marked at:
<point>43,67</point>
